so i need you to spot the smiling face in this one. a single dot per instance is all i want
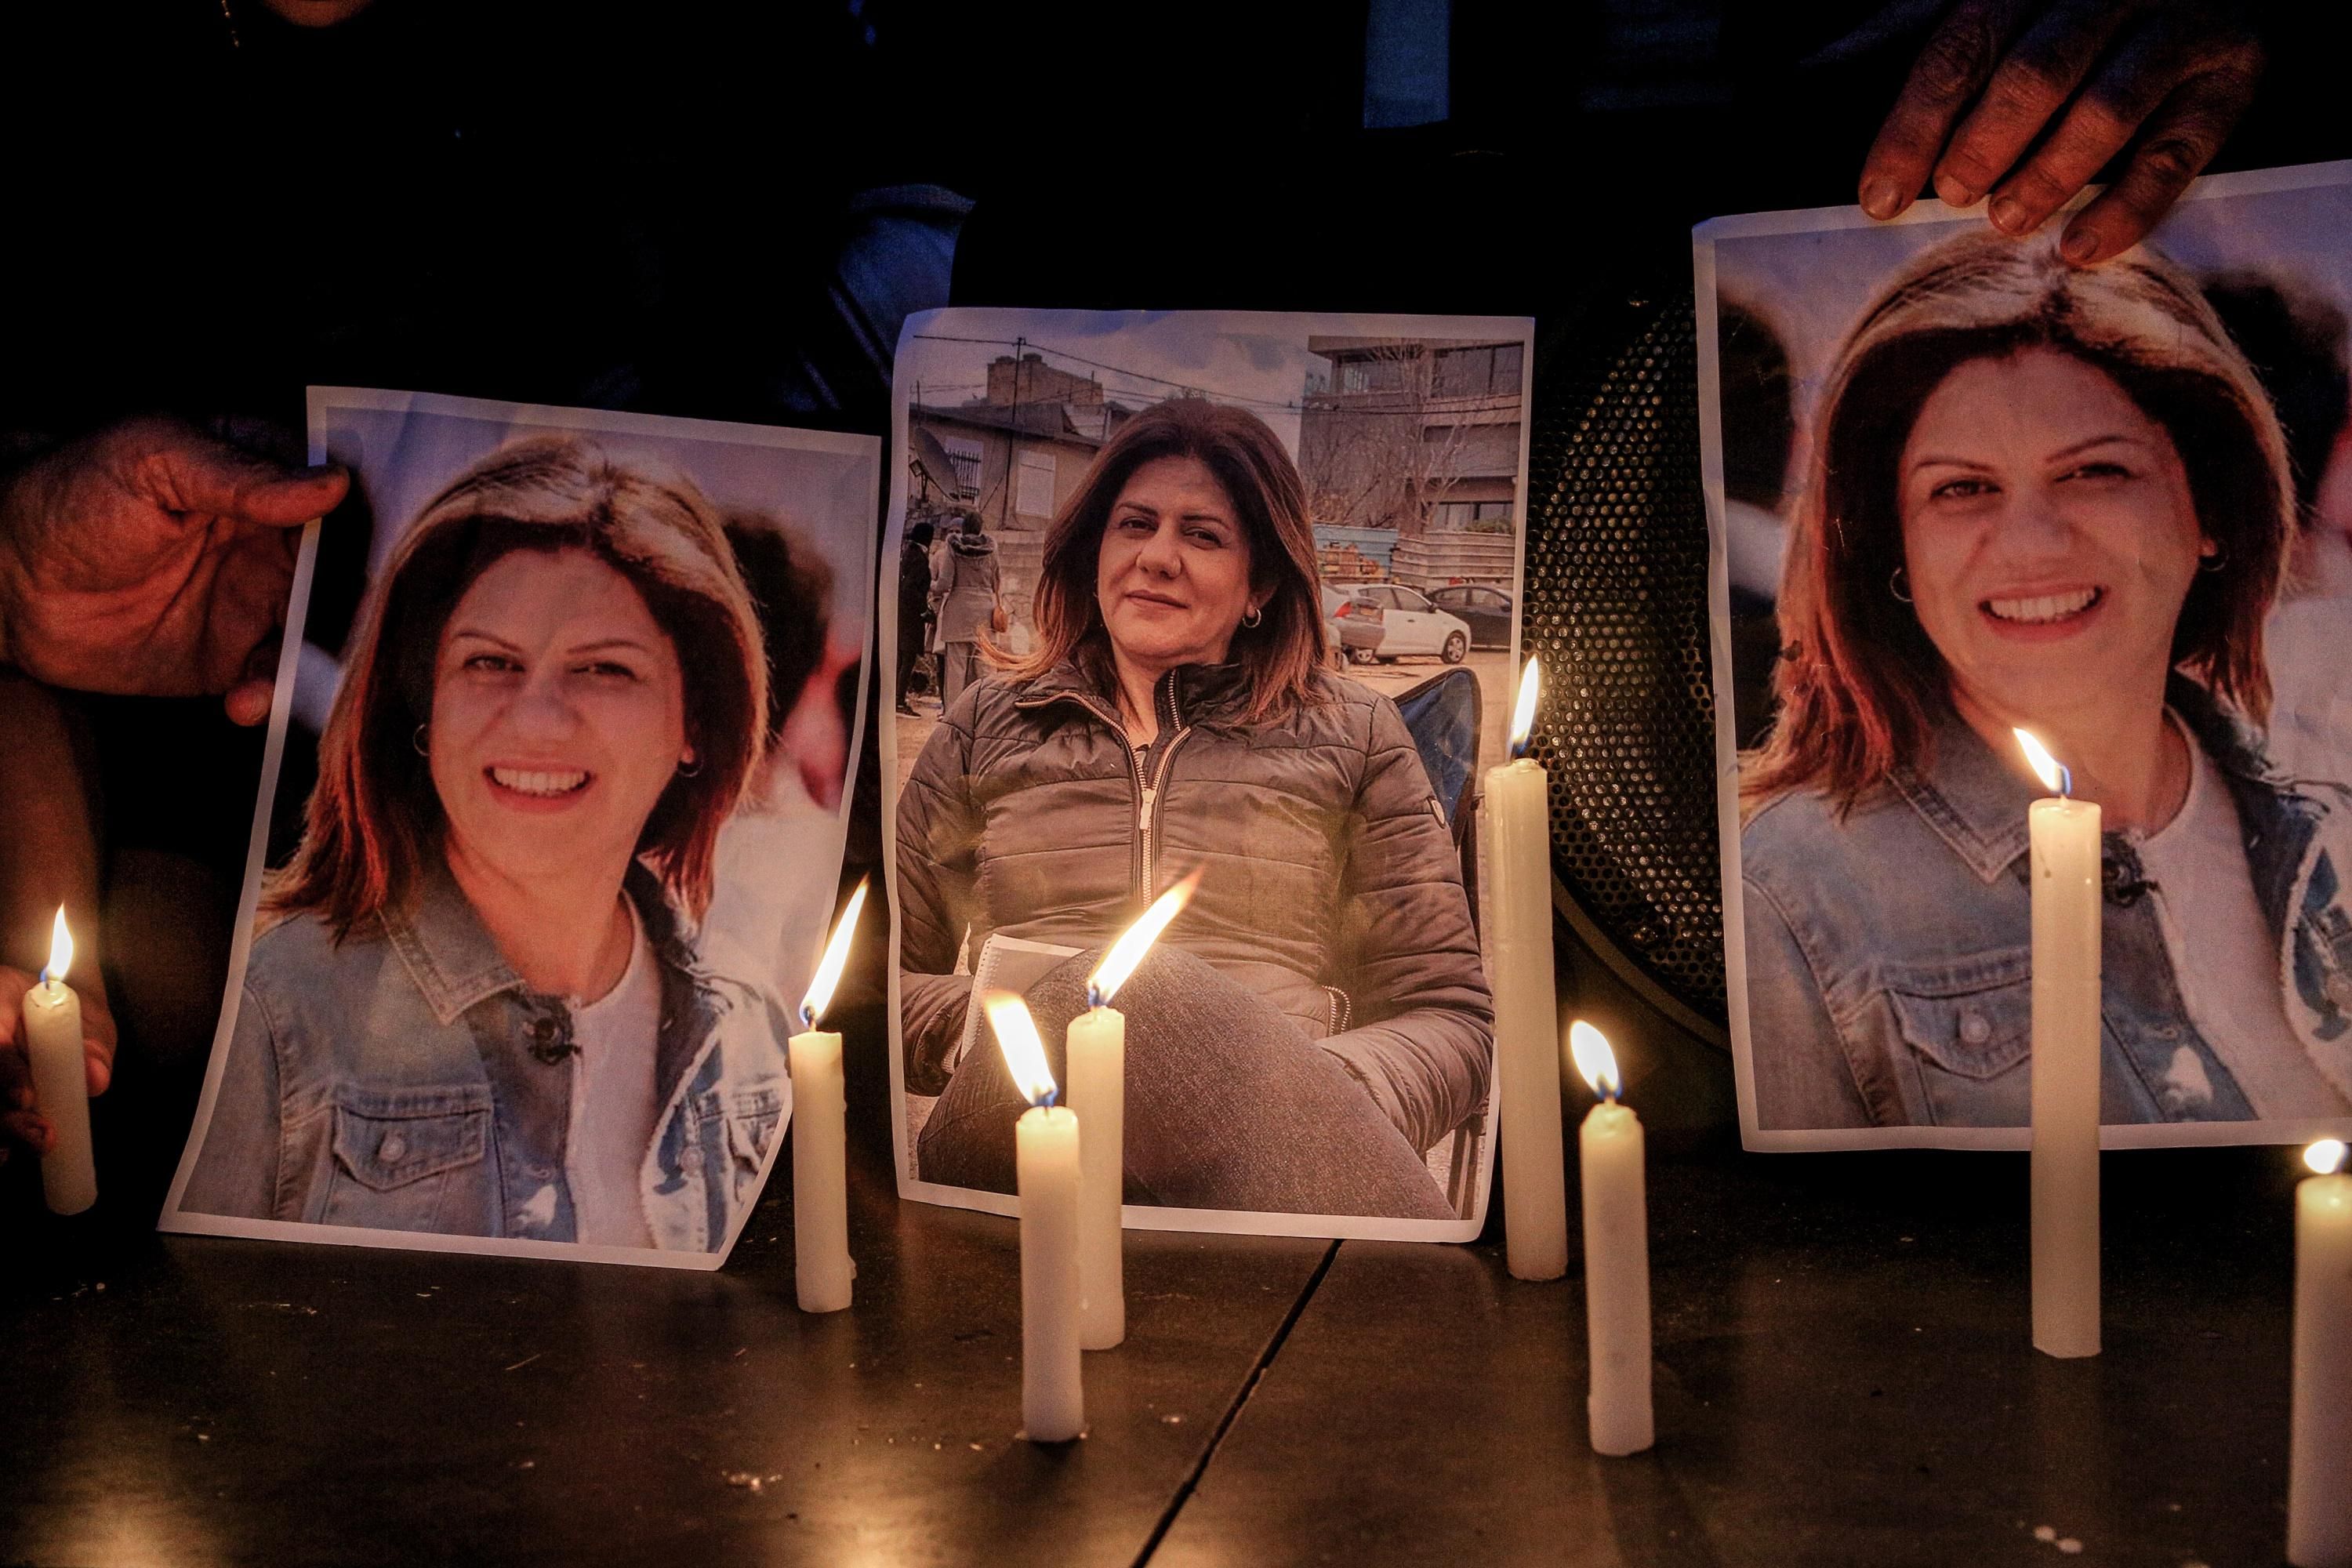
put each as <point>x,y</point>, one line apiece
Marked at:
<point>2049,535</point>
<point>558,716</point>
<point>1173,574</point>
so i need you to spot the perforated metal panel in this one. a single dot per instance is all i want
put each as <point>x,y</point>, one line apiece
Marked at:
<point>1617,608</point>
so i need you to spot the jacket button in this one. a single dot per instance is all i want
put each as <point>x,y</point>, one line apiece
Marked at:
<point>1976,1030</point>
<point>392,1147</point>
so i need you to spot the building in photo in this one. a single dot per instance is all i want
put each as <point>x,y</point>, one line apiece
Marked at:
<point>1014,454</point>
<point>1416,438</point>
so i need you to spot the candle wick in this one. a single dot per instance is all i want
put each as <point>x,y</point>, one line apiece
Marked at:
<point>808,1018</point>
<point>1047,1103</point>
<point>2065,782</point>
<point>1095,1001</point>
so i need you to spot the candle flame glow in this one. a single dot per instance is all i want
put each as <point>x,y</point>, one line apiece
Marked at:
<point>1594,1059</point>
<point>60,952</point>
<point>1024,1053</point>
<point>1136,940</point>
<point>2049,769</point>
<point>836,958</point>
<point>1523,715</point>
<point>2327,1156</point>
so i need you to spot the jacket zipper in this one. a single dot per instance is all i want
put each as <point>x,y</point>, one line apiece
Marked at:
<point>1145,813</point>
<point>1171,718</point>
<point>1147,789</point>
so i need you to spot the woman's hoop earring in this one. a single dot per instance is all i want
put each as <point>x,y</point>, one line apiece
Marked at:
<point>689,767</point>
<point>1898,584</point>
<point>2215,562</point>
<point>1253,617</point>
<point>417,741</point>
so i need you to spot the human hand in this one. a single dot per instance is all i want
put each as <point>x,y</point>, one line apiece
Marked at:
<point>2026,99</point>
<point>153,560</point>
<point>19,1121</point>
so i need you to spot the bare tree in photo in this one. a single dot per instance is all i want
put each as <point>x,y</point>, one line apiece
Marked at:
<point>1376,446</point>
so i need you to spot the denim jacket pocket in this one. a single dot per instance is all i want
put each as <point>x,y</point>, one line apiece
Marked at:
<point>1970,1035</point>
<point>752,1118</point>
<point>397,1159</point>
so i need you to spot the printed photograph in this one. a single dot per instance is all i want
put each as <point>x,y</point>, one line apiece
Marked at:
<point>1961,489</point>
<point>1219,594</point>
<point>551,826</point>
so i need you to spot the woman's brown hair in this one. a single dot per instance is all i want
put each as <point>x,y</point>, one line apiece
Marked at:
<point>375,820</point>
<point>1284,650</point>
<point>1859,684</point>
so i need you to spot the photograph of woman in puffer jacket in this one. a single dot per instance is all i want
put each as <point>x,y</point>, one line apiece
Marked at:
<point>1317,1017</point>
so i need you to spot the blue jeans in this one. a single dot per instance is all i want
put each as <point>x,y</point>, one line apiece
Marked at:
<point>1228,1105</point>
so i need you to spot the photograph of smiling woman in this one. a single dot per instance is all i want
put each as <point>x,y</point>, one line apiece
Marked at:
<point>473,1005</point>
<point>2057,498</point>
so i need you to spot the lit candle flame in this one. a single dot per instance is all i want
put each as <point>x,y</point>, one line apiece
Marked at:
<point>60,952</point>
<point>2052,773</point>
<point>1594,1059</point>
<point>1136,940</point>
<point>837,957</point>
<point>1522,716</point>
<point>2327,1156</point>
<point>1024,1053</point>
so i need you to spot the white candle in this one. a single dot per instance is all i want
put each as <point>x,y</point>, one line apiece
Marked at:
<point>1052,1396</point>
<point>2319,1451</point>
<point>61,1079</point>
<point>1098,1067</point>
<point>823,1272</point>
<point>1616,1257</point>
<point>1527,1015</point>
<point>1097,1044</point>
<point>2064,834</point>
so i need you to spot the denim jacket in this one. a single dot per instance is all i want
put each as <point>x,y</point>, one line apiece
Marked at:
<point>406,1079</point>
<point>1889,955</point>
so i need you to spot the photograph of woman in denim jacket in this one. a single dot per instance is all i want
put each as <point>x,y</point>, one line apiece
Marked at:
<point>2057,498</point>
<point>473,1005</point>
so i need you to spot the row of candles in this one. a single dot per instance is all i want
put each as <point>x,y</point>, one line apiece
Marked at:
<point>1070,1179</point>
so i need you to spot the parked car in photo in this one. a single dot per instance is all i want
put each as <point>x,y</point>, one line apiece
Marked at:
<point>1351,622</point>
<point>1411,625</point>
<point>1486,611</point>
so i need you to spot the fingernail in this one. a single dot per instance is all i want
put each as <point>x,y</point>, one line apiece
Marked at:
<point>1954,193</point>
<point>1882,198</point>
<point>2079,246</point>
<point>2008,215</point>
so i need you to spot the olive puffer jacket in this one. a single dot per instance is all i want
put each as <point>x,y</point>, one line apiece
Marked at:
<point>1330,886</point>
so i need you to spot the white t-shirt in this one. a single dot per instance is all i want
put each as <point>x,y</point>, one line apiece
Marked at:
<point>613,1109</point>
<point>2224,958</point>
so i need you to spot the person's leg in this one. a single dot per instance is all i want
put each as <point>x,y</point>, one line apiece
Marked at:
<point>1228,1105</point>
<point>955,672</point>
<point>910,648</point>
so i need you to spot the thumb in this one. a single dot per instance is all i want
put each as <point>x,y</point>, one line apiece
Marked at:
<point>202,475</point>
